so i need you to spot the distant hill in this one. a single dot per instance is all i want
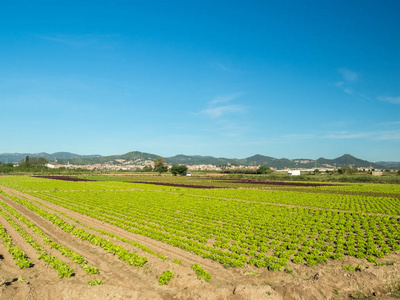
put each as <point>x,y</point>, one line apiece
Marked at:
<point>349,160</point>
<point>16,157</point>
<point>389,164</point>
<point>279,163</point>
<point>203,160</point>
<point>134,156</point>
<point>139,158</point>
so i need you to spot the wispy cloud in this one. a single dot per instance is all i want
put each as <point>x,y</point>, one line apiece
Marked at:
<point>216,109</point>
<point>74,40</point>
<point>389,135</point>
<point>345,89</point>
<point>344,135</point>
<point>300,136</point>
<point>390,123</point>
<point>348,75</point>
<point>216,112</point>
<point>220,66</point>
<point>393,100</point>
<point>349,78</point>
<point>371,135</point>
<point>224,99</point>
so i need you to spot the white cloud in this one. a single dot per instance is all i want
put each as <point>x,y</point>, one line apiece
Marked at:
<point>224,99</point>
<point>347,135</point>
<point>345,89</point>
<point>218,111</point>
<point>390,123</point>
<point>393,100</point>
<point>299,136</point>
<point>348,75</point>
<point>371,135</point>
<point>389,135</point>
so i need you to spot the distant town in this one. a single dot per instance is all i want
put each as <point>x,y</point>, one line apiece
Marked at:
<point>128,166</point>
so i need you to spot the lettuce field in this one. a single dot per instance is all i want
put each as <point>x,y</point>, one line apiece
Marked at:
<point>167,230</point>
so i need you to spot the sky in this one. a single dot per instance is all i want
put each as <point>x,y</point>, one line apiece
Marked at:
<point>294,79</point>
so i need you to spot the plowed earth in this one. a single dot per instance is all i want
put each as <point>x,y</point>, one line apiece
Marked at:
<point>122,281</point>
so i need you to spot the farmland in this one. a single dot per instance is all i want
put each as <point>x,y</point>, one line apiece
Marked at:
<point>161,237</point>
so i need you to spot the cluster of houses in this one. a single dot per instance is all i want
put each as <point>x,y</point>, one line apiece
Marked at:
<point>128,166</point>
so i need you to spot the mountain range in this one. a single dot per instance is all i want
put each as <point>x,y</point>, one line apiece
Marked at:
<point>138,158</point>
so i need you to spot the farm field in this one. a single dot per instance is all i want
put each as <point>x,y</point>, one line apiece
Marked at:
<point>164,237</point>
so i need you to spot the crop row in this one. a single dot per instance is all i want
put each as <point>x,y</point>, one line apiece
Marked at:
<point>302,234</point>
<point>21,260</point>
<point>104,232</point>
<point>129,257</point>
<point>364,204</point>
<point>63,269</point>
<point>215,225</point>
<point>75,257</point>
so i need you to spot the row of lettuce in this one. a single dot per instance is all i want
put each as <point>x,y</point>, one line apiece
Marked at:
<point>10,215</point>
<point>254,227</point>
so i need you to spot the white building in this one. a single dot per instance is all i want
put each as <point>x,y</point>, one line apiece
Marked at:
<point>293,172</point>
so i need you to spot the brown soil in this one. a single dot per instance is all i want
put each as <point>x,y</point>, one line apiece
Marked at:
<point>327,281</point>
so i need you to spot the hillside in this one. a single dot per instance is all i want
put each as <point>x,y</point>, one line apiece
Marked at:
<point>138,158</point>
<point>16,157</point>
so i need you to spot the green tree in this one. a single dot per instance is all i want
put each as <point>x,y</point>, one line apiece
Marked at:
<point>346,170</point>
<point>41,162</point>
<point>264,170</point>
<point>32,163</point>
<point>147,169</point>
<point>160,166</point>
<point>6,168</point>
<point>179,169</point>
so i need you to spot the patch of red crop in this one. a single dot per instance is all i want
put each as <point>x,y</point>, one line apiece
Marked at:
<point>178,185</point>
<point>65,178</point>
<point>270,182</point>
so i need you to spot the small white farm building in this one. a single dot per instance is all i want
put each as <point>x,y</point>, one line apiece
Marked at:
<point>293,172</point>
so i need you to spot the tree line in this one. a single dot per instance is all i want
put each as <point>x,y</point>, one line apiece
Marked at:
<point>28,164</point>
<point>161,167</point>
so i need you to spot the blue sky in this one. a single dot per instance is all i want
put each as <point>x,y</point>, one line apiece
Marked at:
<point>295,79</point>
